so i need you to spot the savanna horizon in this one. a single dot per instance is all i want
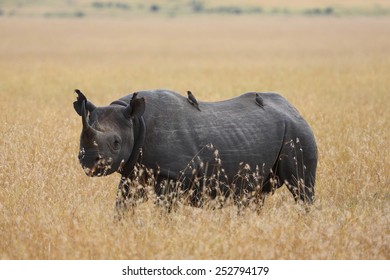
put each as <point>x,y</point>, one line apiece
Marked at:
<point>333,70</point>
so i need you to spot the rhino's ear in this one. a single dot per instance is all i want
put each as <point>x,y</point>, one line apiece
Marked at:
<point>136,108</point>
<point>79,102</point>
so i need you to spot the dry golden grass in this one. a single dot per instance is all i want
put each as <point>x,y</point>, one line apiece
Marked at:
<point>336,72</point>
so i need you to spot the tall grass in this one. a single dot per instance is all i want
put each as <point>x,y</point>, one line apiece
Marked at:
<point>335,71</point>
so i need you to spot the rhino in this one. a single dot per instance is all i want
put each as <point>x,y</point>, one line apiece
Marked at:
<point>164,131</point>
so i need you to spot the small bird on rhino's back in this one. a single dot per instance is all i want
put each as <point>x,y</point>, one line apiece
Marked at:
<point>259,101</point>
<point>192,100</point>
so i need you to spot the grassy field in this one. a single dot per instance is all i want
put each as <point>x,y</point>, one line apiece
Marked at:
<point>334,70</point>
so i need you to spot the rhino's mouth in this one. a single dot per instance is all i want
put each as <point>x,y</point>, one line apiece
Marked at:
<point>101,168</point>
<point>97,168</point>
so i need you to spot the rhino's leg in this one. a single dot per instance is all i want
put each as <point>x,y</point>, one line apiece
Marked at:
<point>130,192</point>
<point>241,194</point>
<point>121,196</point>
<point>261,191</point>
<point>186,186</point>
<point>192,187</point>
<point>297,168</point>
<point>206,187</point>
<point>167,191</point>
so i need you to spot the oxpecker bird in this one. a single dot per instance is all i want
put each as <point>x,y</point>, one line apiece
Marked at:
<point>191,98</point>
<point>259,100</point>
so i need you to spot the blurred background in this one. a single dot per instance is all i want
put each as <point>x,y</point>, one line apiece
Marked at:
<point>331,59</point>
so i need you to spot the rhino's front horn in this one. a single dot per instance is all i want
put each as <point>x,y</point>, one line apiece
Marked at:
<point>88,131</point>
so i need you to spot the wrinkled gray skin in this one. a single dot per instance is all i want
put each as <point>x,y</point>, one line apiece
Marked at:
<point>171,132</point>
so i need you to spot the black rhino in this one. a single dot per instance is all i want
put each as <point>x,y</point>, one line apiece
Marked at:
<point>165,131</point>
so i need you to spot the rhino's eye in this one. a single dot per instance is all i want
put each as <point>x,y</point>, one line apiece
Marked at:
<point>116,143</point>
